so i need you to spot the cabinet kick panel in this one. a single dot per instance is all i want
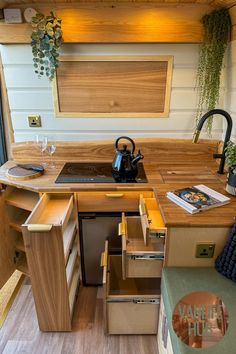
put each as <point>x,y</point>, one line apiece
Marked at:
<point>131,86</point>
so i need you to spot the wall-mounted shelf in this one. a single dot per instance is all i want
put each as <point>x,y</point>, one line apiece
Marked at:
<point>129,22</point>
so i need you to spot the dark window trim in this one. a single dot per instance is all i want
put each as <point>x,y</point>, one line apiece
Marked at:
<point>3,149</point>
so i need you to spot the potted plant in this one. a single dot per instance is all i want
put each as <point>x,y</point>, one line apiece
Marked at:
<point>217,27</point>
<point>46,41</point>
<point>230,154</point>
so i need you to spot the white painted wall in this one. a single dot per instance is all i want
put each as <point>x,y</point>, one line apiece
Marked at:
<point>230,103</point>
<point>30,95</point>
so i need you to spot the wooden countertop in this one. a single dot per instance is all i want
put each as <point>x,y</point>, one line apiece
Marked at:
<point>161,180</point>
<point>179,166</point>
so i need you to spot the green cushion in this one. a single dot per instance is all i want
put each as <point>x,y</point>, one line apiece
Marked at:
<point>178,282</point>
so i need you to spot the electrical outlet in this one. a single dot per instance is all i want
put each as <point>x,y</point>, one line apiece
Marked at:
<point>34,121</point>
<point>205,250</point>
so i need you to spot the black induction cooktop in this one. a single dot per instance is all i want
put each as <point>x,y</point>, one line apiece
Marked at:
<point>95,172</point>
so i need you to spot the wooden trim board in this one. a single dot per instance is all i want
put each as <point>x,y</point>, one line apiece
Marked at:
<point>103,87</point>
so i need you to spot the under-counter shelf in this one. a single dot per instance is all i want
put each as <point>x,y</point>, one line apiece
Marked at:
<point>74,287</point>
<point>71,264</point>
<point>19,242</point>
<point>52,209</point>
<point>21,262</point>
<point>21,198</point>
<point>68,236</point>
<point>16,217</point>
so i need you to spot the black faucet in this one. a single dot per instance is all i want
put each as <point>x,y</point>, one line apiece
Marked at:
<point>227,135</point>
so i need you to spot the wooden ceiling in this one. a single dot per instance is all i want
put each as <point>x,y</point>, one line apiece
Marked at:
<point>213,3</point>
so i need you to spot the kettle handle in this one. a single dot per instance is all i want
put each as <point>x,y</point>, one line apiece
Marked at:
<point>127,138</point>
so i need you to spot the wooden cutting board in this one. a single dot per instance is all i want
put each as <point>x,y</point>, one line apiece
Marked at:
<point>17,173</point>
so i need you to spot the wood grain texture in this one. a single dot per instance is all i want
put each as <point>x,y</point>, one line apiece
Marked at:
<point>166,151</point>
<point>211,2</point>
<point>124,22</point>
<point>189,239</point>
<point>98,201</point>
<point>45,256</point>
<point>113,87</point>
<point>7,246</point>
<point>169,164</point>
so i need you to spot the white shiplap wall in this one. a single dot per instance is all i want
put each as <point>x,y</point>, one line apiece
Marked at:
<point>231,86</point>
<point>30,95</point>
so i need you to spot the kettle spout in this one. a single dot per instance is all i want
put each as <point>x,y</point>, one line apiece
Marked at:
<point>137,158</point>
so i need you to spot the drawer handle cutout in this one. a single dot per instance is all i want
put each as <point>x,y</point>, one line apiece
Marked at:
<point>114,195</point>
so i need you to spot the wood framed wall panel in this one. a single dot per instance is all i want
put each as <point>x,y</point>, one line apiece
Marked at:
<point>113,86</point>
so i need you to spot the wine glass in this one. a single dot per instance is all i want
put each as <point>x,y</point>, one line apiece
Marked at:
<point>41,143</point>
<point>51,148</point>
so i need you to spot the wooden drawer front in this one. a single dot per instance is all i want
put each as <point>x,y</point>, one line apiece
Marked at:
<point>110,201</point>
<point>52,209</point>
<point>131,305</point>
<point>144,266</point>
<point>152,223</point>
<point>137,316</point>
<point>139,260</point>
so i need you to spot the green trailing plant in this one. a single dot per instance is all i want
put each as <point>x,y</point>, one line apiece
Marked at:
<point>230,154</point>
<point>46,41</point>
<point>217,25</point>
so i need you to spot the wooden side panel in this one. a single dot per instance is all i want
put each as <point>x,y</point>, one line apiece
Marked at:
<point>181,245</point>
<point>45,257</point>
<point>135,87</point>
<point>7,247</point>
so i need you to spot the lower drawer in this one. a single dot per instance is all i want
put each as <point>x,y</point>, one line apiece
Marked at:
<point>133,316</point>
<point>139,260</point>
<point>131,305</point>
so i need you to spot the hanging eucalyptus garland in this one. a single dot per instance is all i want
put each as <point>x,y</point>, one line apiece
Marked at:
<point>46,41</point>
<point>217,27</point>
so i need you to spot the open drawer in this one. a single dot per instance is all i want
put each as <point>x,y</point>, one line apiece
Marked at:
<point>53,209</point>
<point>139,260</point>
<point>131,306</point>
<point>152,223</point>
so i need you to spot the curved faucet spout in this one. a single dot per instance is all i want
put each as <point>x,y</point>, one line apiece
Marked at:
<point>227,135</point>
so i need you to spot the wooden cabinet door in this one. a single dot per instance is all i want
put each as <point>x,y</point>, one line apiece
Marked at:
<point>7,247</point>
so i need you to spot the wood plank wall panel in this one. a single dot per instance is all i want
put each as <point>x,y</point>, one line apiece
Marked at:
<point>30,95</point>
<point>133,88</point>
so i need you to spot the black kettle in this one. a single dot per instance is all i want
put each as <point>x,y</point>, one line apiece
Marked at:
<point>125,163</point>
